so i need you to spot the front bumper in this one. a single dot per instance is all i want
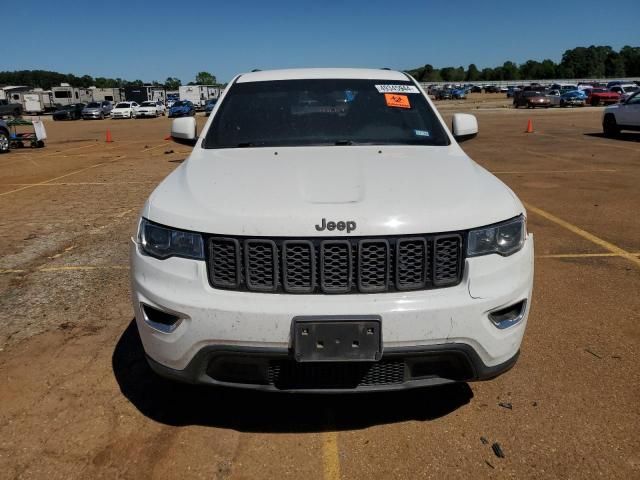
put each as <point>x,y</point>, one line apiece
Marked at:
<point>414,324</point>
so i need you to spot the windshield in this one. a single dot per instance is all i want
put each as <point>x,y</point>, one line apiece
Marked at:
<point>93,105</point>
<point>180,104</point>
<point>122,105</point>
<point>148,104</point>
<point>324,112</point>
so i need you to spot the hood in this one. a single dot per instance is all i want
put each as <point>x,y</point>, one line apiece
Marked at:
<point>92,109</point>
<point>288,191</point>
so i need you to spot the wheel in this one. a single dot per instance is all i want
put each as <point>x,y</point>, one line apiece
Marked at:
<point>610,126</point>
<point>4,141</point>
<point>39,144</point>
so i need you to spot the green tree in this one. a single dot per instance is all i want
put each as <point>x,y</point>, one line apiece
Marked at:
<point>509,71</point>
<point>473,74</point>
<point>614,65</point>
<point>205,78</point>
<point>172,83</point>
<point>631,58</point>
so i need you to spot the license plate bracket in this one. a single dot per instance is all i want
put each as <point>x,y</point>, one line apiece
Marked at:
<point>337,339</point>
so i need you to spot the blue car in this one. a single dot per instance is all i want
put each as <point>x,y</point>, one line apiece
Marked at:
<point>209,106</point>
<point>459,93</point>
<point>182,108</point>
<point>573,98</point>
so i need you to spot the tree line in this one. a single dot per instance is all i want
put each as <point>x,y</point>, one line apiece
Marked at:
<point>45,79</point>
<point>580,62</point>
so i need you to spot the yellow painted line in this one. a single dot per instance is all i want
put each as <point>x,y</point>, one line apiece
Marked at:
<point>153,148</point>
<point>583,255</point>
<point>584,234</point>
<point>54,154</point>
<point>66,268</point>
<point>71,184</point>
<point>604,170</point>
<point>11,270</point>
<point>61,176</point>
<point>330,456</point>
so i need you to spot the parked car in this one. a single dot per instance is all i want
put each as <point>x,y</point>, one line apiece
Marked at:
<point>458,94</point>
<point>125,110</point>
<point>622,116</point>
<point>597,96</point>
<point>182,108</point>
<point>491,89</point>
<point>69,112</point>
<point>4,137</point>
<point>573,98</point>
<point>511,91</point>
<point>476,89</point>
<point>97,110</point>
<point>554,97</point>
<point>151,109</point>
<point>13,109</point>
<point>443,94</point>
<point>209,106</point>
<point>309,285</point>
<point>532,99</point>
<point>170,102</point>
<point>625,90</point>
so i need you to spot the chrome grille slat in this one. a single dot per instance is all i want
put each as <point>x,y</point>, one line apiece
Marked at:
<point>335,265</point>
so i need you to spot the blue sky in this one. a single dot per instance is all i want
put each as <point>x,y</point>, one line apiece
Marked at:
<point>154,40</point>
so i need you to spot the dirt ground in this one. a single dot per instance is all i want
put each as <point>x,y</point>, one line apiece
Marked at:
<point>77,399</point>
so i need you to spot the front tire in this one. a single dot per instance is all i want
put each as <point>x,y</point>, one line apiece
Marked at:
<point>4,142</point>
<point>610,126</point>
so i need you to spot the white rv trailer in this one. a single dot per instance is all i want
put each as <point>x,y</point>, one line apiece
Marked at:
<point>65,94</point>
<point>37,101</point>
<point>199,94</point>
<point>113,95</point>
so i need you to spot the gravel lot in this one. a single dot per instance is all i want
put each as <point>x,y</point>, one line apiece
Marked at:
<point>78,400</point>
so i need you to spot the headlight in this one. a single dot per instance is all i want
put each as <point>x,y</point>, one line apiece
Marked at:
<point>162,242</point>
<point>504,238</point>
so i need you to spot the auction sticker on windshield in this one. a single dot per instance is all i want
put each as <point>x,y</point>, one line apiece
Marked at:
<point>397,101</point>
<point>397,89</point>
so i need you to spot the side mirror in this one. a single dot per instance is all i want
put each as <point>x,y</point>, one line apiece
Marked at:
<point>183,130</point>
<point>464,126</point>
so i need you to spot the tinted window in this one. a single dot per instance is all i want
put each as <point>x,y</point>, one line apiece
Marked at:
<point>93,105</point>
<point>62,94</point>
<point>323,112</point>
<point>122,105</point>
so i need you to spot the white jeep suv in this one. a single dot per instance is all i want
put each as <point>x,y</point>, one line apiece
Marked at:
<point>326,234</point>
<point>622,116</point>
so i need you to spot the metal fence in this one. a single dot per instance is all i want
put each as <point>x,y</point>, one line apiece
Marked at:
<point>501,83</point>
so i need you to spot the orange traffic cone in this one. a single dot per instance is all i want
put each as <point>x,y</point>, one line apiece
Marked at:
<point>109,139</point>
<point>529,127</point>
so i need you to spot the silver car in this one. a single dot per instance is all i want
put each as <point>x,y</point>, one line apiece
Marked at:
<point>97,110</point>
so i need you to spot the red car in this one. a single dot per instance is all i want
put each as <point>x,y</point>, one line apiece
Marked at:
<point>597,96</point>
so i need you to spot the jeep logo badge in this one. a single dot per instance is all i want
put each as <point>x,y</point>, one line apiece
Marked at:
<point>348,225</point>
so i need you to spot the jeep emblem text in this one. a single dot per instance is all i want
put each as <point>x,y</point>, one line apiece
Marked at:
<point>349,226</point>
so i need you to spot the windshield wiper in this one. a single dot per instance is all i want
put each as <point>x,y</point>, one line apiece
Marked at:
<point>343,142</point>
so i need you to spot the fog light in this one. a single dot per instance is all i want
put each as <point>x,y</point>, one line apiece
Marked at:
<point>509,316</point>
<point>160,320</point>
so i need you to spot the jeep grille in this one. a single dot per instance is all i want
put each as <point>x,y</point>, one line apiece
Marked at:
<point>317,265</point>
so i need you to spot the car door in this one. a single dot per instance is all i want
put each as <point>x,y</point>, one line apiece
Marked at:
<point>629,112</point>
